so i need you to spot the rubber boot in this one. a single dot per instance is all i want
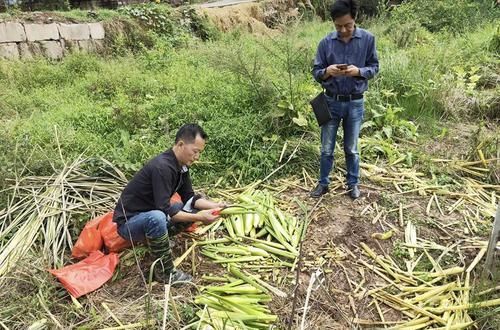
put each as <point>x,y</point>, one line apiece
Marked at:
<point>164,267</point>
<point>178,228</point>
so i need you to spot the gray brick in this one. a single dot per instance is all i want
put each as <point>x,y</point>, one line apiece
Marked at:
<point>74,31</point>
<point>9,51</point>
<point>25,51</point>
<point>86,46</point>
<point>52,49</point>
<point>99,46</point>
<point>39,32</point>
<point>12,32</point>
<point>96,31</point>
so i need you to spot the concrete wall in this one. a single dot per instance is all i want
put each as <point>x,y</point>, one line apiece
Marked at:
<point>27,40</point>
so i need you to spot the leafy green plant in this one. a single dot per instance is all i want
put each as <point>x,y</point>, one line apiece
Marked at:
<point>408,34</point>
<point>156,17</point>
<point>452,15</point>
<point>386,120</point>
<point>198,24</point>
<point>376,146</point>
<point>494,43</point>
<point>292,59</point>
<point>465,78</point>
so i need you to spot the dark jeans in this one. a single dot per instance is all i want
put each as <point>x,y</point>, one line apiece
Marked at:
<point>151,224</point>
<point>351,116</point>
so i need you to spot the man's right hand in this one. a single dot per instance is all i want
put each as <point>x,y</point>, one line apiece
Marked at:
<point>207,216</point>
<point>334,70</point>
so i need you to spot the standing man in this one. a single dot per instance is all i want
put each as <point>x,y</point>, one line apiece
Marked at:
<point>345,60</point>
<point>144,211</point>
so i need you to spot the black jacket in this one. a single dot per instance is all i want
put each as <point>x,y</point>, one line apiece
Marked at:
<point>152,187</point>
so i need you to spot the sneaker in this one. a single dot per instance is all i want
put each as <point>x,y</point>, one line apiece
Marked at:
<point>179,277</point>
<point>319,191</point>
<point>178,228</point>
<point>354,191</point>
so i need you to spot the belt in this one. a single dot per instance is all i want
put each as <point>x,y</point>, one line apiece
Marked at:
<point>344,98</point>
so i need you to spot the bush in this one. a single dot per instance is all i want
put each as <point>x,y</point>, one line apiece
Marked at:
<point>250,93</point>
<point>448,15</point>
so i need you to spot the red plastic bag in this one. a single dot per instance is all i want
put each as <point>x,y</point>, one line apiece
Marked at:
<point>109,232</point>
<point>89,240</point>
<point>87,275</point>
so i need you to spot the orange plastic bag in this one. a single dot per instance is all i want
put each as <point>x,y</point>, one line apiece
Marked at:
<point>176,198</point>
<point>103,231</point>
<point>109,232</point>
<point>89,240</point>
<point>87,275</point>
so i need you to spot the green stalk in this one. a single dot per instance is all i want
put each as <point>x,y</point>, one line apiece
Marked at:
<point>248,223</point>
<point>214,278</point>
<point>213,241</point>
<point>210,255</point>
<point>273,244</point>
<point>229,227</point>
<point>257,251</point>
<point>261,232</point>
<point>236,272</point>
<point>276,251</point>
<point>238,316</point>
<point>231,250</point>
<point>282,234</point>
<point>238,225</point>
<point>242,289</point>
<point>283,242</point>
<point>239,259</point>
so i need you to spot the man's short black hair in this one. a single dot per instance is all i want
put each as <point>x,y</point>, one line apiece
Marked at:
<point>344,7</point>
<point>188,133</point>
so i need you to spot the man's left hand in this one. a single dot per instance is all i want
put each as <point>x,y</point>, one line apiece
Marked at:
<point>222,205</point>
<point>352,71</point>
<point>209,216</point>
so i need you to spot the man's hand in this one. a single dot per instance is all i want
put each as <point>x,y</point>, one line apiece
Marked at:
<point>209,216</point>
<point>222,205</point>
<point>352,71</point>
<point>335,70</point>
<point>205,204</point>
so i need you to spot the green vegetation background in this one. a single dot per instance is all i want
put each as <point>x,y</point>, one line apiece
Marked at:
<point>166,67</point>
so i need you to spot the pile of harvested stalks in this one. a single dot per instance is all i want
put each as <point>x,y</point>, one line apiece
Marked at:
<point>260,238</point>
<point>438,299</point>
<point>474,193</point>
<point>43,211</point>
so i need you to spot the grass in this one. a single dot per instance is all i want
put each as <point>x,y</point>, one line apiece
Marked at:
<point>127,108</point>
<point>489,317</point>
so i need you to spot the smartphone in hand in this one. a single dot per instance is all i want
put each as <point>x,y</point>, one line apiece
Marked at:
<point>342,66</point>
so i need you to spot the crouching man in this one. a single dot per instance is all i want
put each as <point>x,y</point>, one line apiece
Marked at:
<point>144,212</point>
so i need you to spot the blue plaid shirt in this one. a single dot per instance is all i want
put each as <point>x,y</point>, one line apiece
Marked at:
<point>359,51</point>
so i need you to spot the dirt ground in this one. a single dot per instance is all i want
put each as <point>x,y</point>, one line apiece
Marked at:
<point>331,249</point>
<point>332,245</point>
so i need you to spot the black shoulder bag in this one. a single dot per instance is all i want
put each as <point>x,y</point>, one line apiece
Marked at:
<point>320,108</point>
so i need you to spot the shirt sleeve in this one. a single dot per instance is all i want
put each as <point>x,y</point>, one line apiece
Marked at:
<point>372,65</point>
<point>320,63</point>
<point>163,181</point>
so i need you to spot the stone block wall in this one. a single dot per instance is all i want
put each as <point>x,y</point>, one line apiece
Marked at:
<point>54,40</point>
